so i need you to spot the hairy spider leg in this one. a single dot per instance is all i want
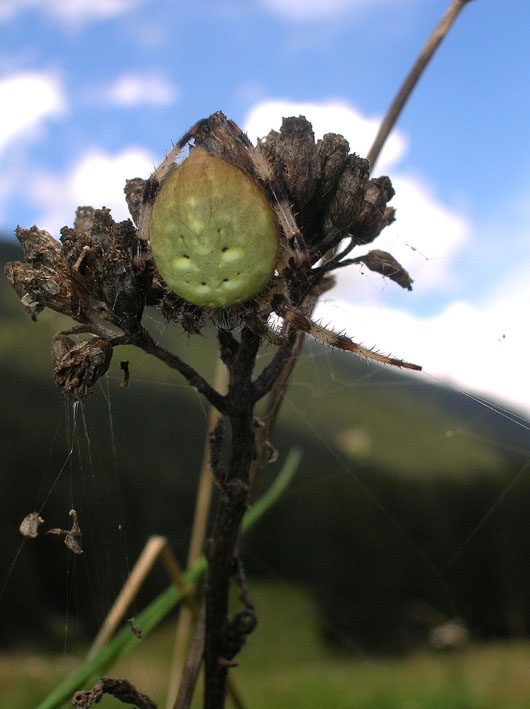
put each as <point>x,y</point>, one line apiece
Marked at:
<point>298,320</point>
<point>152,186</point>
<point>282,209</point>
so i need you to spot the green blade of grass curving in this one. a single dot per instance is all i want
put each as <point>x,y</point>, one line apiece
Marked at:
<point>124,641</point>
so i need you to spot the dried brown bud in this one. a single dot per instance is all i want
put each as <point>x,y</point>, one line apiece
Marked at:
<point>81,366</point>
<point>333,151</point>
<point>374,215</point>
<point>345,205</point>
<point>384,263</point>
<point>134,194</point>
<point>84,218</point>
<point>293,155</point>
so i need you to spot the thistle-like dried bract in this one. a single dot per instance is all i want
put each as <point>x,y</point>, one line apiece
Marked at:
<point>110,265</point>
<point>44,280</point>
<point>101,270</point>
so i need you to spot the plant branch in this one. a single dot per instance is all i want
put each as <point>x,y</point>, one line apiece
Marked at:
<point>193,663</point>
<point>120,688</point>
<point>220,645</point>
<point>268,377</point>
<point>427,51</point>
<point>142,338</point>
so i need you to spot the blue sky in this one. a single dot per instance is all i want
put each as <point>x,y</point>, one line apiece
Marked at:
<point>94,91</point>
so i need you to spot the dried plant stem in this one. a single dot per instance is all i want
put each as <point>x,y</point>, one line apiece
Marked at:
<point>145,562</point>
<point>193,662</point>
<point>224,637</point>
<point>277,392</point>
<point>198,533</point>
<point>429,48</point>
<point>272,409</point>
<point>121,689</point>
<point>239,477</point>
<point>204,493</point>
<point>155,548</point>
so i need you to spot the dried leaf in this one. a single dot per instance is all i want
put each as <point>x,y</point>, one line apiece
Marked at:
<point>72,537</point>
<point>384,263</point>
<point>29,527</point>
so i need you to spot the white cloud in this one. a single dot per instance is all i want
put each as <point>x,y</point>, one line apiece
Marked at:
<point>97,179</point>
<point>475,347</point>
<point>317,9</point>
<point>135,89</point>
<point>426,235</point>
<point>70,12</point>
<point>27,100</point>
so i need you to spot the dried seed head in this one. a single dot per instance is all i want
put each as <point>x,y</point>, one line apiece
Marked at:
<point>213,233</point>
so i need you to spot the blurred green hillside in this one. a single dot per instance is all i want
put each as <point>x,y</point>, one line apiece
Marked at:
<point>405,498</point>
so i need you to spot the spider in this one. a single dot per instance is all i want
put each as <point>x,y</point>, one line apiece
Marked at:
<point>227,244</point>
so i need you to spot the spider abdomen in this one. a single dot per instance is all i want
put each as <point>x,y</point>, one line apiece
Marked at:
<point>213,234</point>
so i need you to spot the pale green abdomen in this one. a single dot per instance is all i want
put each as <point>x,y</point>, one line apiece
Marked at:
<point>213,234</point>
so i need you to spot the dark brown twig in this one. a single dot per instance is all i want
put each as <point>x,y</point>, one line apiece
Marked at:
<point>142,338</point>
<point>267,378</point>
<point>231,508</point>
